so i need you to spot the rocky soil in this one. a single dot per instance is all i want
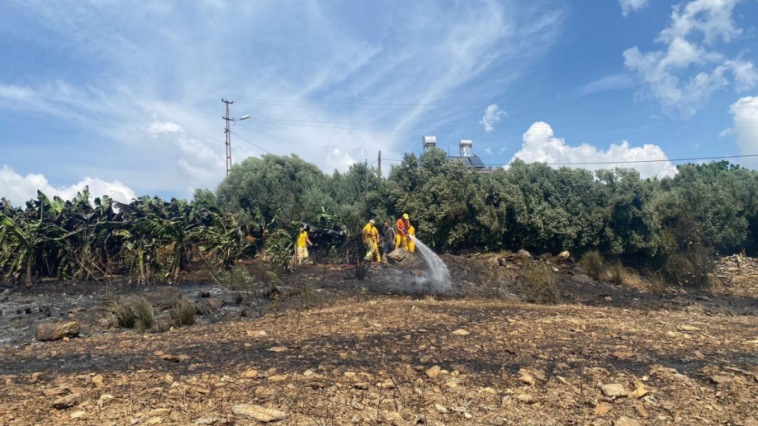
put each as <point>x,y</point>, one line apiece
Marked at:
<point>377,351</point>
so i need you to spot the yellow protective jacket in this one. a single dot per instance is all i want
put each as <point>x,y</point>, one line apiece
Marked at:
<point>370,233</point>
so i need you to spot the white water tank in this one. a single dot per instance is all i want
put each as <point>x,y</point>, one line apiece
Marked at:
<point>465,146</point>
<point>429,142</point>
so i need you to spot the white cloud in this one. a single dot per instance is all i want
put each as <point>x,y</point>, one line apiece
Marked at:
<point>488,151</point>
<point>745,116</point>
<point>541,145</point>
<point>628,6</point>
<point>492,115</point>
<point>19,189</point>
<point>667,73</point>
<point>611,82</point>
<point>156,128</point>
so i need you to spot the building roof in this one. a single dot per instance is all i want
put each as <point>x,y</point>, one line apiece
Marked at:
<point>474,162</point>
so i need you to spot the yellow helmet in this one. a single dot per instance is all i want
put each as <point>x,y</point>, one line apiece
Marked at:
<point>405,216</point>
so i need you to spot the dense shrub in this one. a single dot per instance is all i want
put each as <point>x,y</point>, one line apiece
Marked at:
<point>691,267</point>
<point>530,206</point>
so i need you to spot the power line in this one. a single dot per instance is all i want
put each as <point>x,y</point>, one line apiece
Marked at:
<point>416,104</point>
<point>236,134</point>
<point>317,124</point>
<point>620,162</point>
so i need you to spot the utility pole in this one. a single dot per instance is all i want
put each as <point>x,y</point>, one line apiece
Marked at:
<point>380,162</point>
<point>228,133</point>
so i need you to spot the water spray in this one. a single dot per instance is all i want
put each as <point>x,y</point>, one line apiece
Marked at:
<point>439,275</point>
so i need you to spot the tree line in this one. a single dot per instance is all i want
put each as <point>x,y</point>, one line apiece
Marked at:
<point>531,206</point>
<point>706,208</point>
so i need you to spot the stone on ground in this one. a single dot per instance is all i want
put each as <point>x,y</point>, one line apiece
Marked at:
<point>50,331</point>
<point>261,414</point>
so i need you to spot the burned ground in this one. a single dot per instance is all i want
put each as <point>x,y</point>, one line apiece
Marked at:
<point>360,356</point>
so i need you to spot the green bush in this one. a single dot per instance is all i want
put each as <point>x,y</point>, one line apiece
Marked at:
<point>594,263</point>
<point>692,267</point>
<point>183,312</point>
<point>539,284</point>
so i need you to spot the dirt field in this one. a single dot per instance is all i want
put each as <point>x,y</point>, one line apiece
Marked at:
<point>608,355</point>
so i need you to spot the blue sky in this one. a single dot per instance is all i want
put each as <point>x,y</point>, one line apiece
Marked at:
<point>125,96</point>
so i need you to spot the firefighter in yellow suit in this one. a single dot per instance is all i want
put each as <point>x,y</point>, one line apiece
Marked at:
<point>411,244</point>
<point>371,239</point>
<point>403,226</point>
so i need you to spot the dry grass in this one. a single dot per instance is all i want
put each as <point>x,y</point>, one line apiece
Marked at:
<point>123,314</point>
<point>594,263</point>
<point>616,273</point>
<point>657,283</point>
<point>143,311</point>
<point>183,312</point>
<point>538,283</point>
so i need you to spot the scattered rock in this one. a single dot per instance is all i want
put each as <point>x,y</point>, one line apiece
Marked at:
<point>98,381</point>
<point>398,257</point>
<point>525,398</point>
<point>159,412</point>
<point>440,408</point>
<point>207,421</point>
<point>51,331</point>
<point>433,372</point>
<point>602,409</point>
<point>626,421</point>
<point>54,391</point>
<point>68,401</point>
<point>524,254</point>
<point>721,380</point>
<point>256,334</point>
<point>643,412</point>
<point>640,392</point>
<point>215,303</point>
<point>162,298</point>
<point>623,355</point>
<point>78,414</point>
<point>750,421</point>
<point>35,377</point>
<point>527,378</point>
<point>563,255</point>
<point>250,374</point>
<point>461,332</point>
<point>614,390</point>
<point>278,349</point>
<point>261,414</point>
<point>175,358</point>
<point>209,305</point>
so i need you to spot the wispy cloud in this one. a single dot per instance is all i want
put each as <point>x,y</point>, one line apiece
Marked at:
<point>611,82</point>
<point>155,81</point>
<point>629,6</point>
